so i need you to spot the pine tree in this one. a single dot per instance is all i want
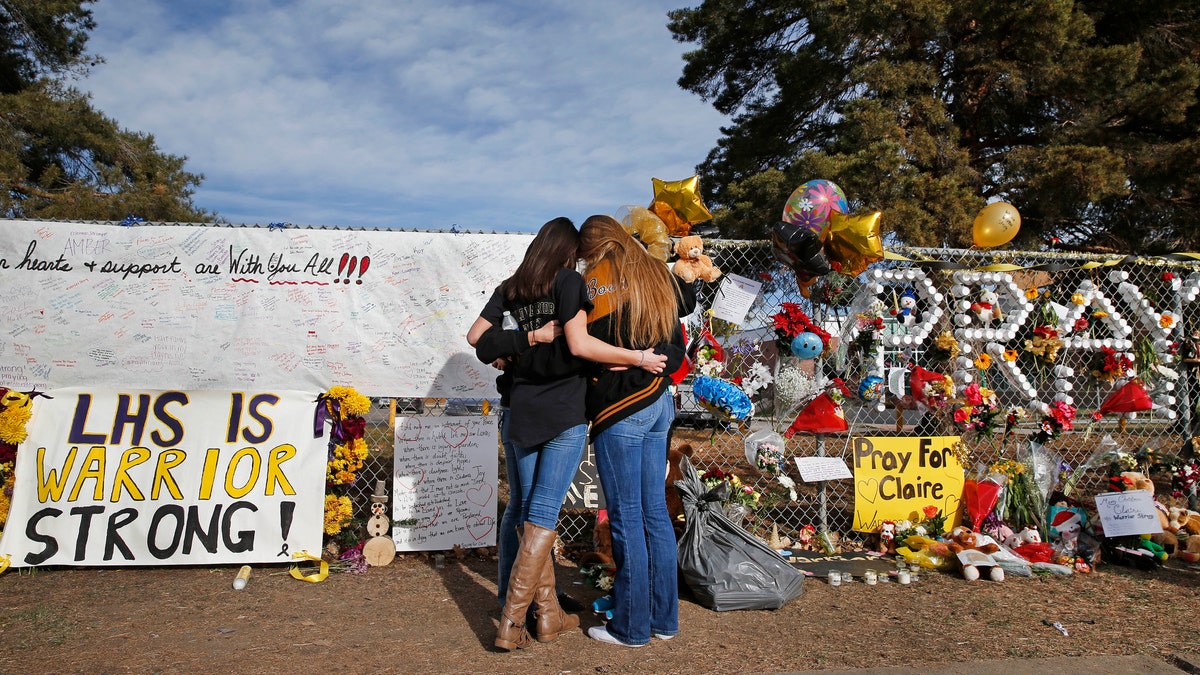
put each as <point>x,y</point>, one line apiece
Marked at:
<point>1082,114</point>
<point>59,156</point>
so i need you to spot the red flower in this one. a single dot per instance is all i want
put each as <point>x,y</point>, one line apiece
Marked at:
<point>1045,331</point>
<point>1168,276</point>
<point>930,511</point>
<point>1081,324</point>
<point>354,427</point>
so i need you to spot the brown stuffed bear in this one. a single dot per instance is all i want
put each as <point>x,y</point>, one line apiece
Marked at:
<point>1166,538</point>
<point>966,539</point>
<point>692,263</point>
<point>674,503</point>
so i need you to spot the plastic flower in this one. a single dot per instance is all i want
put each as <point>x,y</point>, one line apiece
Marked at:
<point>1078,298</point>
<point>983,361</point>
<point>1010,355</point>
<point>1166,320</point>
<point>1168,276</point>
<point>1099,314</point>
<point>1032,293</point>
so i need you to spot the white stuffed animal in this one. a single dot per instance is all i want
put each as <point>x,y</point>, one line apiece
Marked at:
<point>987,307</point>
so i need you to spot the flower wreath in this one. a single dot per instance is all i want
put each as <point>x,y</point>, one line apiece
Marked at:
<point>347,451</point>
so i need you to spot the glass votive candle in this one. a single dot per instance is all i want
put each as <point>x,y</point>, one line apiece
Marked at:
<point>847,578</point>
<point>904,577</point>
<point>870,577</point>
<point>835,578</point>
<point>914,573</point>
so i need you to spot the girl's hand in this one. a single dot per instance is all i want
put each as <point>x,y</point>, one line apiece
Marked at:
<point>546,333</point>
<point>653,362</point>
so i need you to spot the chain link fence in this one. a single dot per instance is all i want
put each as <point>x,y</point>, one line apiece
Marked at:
<point>1143,311</point>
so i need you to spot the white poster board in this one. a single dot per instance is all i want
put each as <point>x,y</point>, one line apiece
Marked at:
<point>813,469</point>
<point>1127,513</point>
<point>734,298</point>
<point>155,477</point>
<point>212,307</point>
<point>444,483</point>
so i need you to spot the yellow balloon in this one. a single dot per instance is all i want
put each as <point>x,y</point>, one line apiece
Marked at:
<point>647,228</point>
<point>684,197</point>
<point>996,224</point>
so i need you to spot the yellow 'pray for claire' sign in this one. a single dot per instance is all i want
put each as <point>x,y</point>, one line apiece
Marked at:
<point>896,478</point>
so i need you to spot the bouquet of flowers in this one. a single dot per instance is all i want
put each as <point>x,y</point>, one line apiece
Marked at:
<point>931,524</point>
<point>738,493</point>
<point>979,411</point>
<point>1109,365</point>
<point>708,362</point>
<point>791,321</point>
<point>1059,418</point>
<point>1019,505</point>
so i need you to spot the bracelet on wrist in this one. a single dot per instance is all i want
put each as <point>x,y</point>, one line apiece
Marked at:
<point>641,358</point>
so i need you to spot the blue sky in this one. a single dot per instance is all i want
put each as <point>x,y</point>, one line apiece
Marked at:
<point>417,114</point>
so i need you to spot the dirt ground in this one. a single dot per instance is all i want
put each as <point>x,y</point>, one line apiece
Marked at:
<point>412,617</point>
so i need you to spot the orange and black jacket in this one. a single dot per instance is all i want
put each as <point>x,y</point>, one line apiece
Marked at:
<point>614,395</point>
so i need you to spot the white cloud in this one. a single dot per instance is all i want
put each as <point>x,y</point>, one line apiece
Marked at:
<point>485,115</point>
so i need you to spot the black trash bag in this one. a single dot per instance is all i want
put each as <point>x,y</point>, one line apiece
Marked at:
<point>725,566</point>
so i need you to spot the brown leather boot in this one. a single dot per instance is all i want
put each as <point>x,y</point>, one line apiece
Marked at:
<point>552,621</point>
<point>522,585</point>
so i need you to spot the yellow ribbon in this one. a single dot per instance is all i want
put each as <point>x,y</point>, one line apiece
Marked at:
<point>1046,266</point>
<point>314,578</point>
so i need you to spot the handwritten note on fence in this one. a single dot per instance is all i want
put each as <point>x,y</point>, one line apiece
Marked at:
<point>444,485</point>
<point>1126,513</point>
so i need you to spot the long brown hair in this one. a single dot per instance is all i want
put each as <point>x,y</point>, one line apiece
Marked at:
<point>646,309</point>
<point>556,246</point>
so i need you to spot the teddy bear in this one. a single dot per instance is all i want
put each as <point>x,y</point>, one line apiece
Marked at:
<point>987,307</point>
<point>1028,544</point>
<point>1166,539</point>
<point>1181,519</point>
<point>973,549</point>
<point>674,504</point>
<point>692,263</point>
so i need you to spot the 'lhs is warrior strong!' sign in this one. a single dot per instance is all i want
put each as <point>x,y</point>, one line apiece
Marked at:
<point>166,478</point>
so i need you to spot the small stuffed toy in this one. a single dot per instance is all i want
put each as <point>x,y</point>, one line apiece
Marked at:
<point>887,537</point>
<point>674,504</point>
<point>1183,520</point>
<point>908,314</point>
<point>692,263</point>
<point>973,549</point>
<point>1029,545</point>
<point>987,307</point>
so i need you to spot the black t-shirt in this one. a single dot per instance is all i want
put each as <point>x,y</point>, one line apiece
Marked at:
<point>546,384</point>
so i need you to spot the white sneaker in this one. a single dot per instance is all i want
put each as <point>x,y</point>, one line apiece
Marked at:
<point>601,633</point>
<point>663,636</point>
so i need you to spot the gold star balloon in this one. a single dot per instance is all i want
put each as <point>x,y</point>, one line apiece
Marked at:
<point>854,242</point>
<point>684,197</point>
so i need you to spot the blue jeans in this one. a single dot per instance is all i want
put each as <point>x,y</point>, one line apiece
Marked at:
<point>510,522</point>
<point>631,456</point>
<point>545,473</point>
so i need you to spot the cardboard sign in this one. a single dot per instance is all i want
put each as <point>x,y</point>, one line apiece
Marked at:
<point>895,478</point>
<point>1127,513</point>
<point>167,478</point>
<point>585,491</point>
<point>444,483</point>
